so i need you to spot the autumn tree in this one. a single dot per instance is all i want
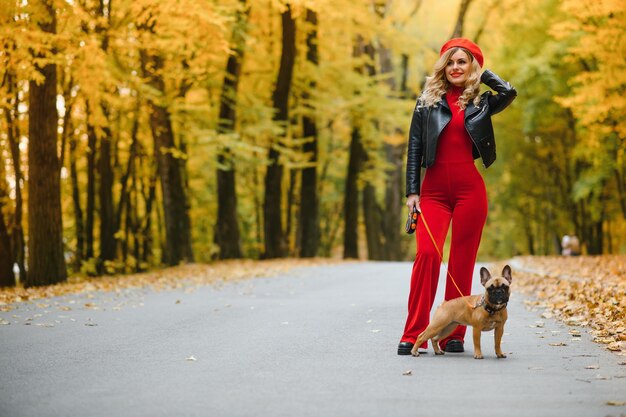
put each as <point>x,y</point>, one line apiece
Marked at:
<point>309,202</point>
<point>46,262</point>
<point>275,239</point>
<point>227,227</point>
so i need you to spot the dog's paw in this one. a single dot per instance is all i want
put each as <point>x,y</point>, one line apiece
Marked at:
<point>440,352</point>
<point>501,355</point>
<point>415,353</point>
<point>478,356</point>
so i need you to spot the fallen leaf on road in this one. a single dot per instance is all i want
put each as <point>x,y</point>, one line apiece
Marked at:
<point>177,302</point>
<point>604,340</point>
<point>616,403</point>
<point>616,346</point>
<point>375,330</point>
<point>90,323</point>
<point>592,367</point>
<point>191,358</point>
<point>408,373</point>
<point>558,344</point>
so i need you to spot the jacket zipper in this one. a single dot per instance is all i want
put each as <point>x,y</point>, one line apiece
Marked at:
<point>475,144</point>
<point>472,138</point>
<point>426,145</point>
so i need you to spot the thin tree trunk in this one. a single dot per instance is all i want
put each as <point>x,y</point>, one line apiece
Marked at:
<point>78,212</point>
<point>130,170</point>
<point>146,230</point>
<point>372,211</point>
<point>91,185</point>
<point>293,212</point>
<point>46,264</point>
<point>481,28</point>
<point>309,202</point>
<point>136,222</point>
<point>351,196</point>
<point>393,207</point>
<point>16,230</point>
<point>105,192</point>
<point>176,217</point>
<point>458,27</point>
<point>373,224</point>
<point>227,235</point>
<point>275,244</point>
<point>7,278</point>
<point>356,159</point>
<point>68,136</point>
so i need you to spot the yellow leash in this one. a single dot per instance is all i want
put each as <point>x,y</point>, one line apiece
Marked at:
<point>441,258</point>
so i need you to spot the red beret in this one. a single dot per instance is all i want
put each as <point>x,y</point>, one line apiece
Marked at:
<point>464,43</point>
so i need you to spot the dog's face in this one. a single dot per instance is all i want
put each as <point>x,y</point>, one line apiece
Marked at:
<point>498,288</point>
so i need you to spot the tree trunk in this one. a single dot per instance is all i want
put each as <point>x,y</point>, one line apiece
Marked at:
<point>7,278</point>
<point>275,244</point>
<point>105,192</point>
<point>373,224</point>
<point>394,152</point>
<point>394,207</point>
<point>78,212</point>
<point>227,235</point>
<point>458,28</point>
<point>356,158</point>
<point>351,204</point>
<point>372,211</point>
<point>91,186</point>
<point>146,230</point>
<point>124,199</point>
<point>177,222</point>
<point>46,264</point>
<point>309,204</point>
<point>16,231</point>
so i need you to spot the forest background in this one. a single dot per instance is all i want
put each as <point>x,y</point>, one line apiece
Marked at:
<point>140,133</point>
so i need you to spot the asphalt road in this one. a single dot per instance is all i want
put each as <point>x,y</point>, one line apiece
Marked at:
<point>318,341</point>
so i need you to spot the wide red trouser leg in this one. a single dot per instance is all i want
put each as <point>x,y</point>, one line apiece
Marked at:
<point>450,192</point>
<point>426,267</point>
<point>468,219</point>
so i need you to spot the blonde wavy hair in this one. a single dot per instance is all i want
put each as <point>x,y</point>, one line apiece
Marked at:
<point>437,84</point>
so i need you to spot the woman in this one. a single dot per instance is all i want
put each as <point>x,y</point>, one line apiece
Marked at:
<point>451,127</point>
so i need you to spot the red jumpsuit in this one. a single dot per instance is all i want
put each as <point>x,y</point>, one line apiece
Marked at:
<point>452,190</point>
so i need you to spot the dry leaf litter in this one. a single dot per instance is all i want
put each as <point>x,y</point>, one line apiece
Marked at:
<point>182,276</point>
<point>586,291</point>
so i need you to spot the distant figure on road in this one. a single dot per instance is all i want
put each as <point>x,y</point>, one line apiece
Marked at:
<point>451,126</point>
<point>570,245</point>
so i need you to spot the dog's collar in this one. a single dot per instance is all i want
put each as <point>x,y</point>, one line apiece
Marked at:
<point>488,307</point>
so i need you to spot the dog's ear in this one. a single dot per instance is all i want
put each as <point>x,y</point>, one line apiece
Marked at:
<point>484,276</point>
<point>506,274</point>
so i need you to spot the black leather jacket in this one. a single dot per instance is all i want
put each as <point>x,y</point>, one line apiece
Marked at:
<point>428,123</point>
